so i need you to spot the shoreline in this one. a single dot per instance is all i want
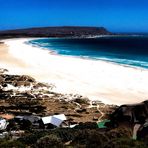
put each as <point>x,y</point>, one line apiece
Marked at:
<point>98,80</point>
<point>52,52</point>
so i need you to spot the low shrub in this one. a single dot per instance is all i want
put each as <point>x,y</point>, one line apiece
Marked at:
<point>11,144</point>
<point>49,141</point>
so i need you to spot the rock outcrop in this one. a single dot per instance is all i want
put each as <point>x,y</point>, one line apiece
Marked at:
<point>23,95</point>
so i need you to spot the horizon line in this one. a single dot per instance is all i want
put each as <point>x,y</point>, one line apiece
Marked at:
<point>60,26</point>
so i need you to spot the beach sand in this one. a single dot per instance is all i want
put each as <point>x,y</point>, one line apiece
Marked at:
<point>7,59</point>
<point>98,80</point>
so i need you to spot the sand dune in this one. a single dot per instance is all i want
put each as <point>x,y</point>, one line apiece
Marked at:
<point>111,83</point>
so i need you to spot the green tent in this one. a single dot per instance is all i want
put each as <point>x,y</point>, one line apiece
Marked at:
<point>102,123</point>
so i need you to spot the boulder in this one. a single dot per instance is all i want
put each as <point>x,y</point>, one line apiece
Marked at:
<point>81,100</point>
<point>95,118</point>
<point>2,70</point>
<point>1,79</point>
<point>26,78</point>
<point>21,83</point>
<point>81,110</point>
<point>38,85</point>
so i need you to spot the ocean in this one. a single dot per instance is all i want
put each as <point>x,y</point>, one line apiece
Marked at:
<point>130,50</point>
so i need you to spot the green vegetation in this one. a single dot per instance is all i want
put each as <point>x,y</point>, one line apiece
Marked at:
<point>71,138</point>
<point>5,143</point>
<point>49,141</point>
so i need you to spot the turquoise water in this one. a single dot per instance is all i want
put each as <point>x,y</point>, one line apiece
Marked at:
<point>126,50</point>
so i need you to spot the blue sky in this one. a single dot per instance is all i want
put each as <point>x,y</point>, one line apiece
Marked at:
<point>115,15</point>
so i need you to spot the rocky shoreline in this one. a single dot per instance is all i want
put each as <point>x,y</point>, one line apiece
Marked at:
<point>23,95</point>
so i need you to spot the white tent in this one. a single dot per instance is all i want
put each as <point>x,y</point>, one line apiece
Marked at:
<point>55,119</point>
<point>3,124</point>
<point>47,120</point>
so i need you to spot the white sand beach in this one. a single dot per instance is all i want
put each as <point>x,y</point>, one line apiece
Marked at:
<point>98,80</point>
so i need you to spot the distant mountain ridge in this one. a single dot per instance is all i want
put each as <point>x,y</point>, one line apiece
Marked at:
<point>65,31</point>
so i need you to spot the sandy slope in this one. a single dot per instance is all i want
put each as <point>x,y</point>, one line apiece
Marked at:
<point>100,80</point>
<point>6,58</point>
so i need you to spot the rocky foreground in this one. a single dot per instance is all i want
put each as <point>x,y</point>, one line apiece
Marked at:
<point>23,95</point>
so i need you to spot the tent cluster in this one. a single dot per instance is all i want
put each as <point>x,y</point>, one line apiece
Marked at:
<point>18,124</point>
<point>41,122</point>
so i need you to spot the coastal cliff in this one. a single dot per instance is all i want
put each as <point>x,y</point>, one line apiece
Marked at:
<point>55,32</point>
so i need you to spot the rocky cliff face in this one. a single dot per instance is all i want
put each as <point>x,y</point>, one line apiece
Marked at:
<point>55,32</point>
